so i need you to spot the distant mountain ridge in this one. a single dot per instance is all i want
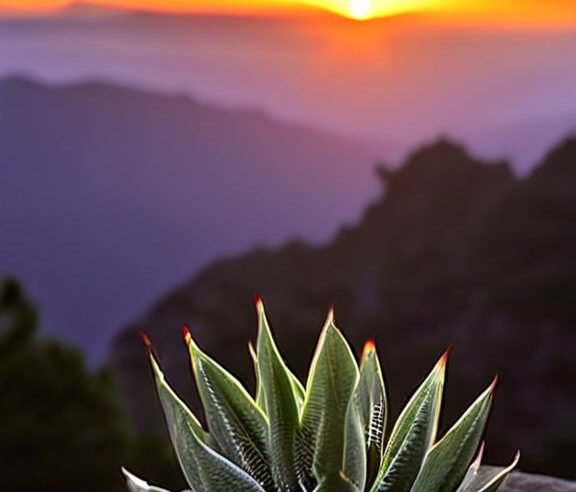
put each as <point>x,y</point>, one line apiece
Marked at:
<point>456,251</point>
<point>356,79</point>
<point>83,10</point>
<point>91,10</point>
<point>72,11</point>
<point>111,194</point>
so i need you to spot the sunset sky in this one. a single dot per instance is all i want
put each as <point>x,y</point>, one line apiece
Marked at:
<point>533,11</point>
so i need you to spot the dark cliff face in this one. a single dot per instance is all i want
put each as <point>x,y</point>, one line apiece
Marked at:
<point>455,252</point>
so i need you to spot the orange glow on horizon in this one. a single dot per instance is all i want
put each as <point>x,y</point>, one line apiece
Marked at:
<point>512,12</point>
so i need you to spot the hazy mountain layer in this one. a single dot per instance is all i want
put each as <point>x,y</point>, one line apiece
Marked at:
<point>506,91</point>
<point>110,195</point>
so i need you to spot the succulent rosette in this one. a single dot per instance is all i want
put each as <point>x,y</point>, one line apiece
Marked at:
<point>327,436</point>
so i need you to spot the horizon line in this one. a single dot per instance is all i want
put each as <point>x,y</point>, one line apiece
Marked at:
<point>294,10</point>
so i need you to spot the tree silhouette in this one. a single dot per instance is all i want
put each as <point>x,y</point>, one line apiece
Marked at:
<point>61,427</point>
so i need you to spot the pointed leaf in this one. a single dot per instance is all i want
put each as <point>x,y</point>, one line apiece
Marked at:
<point>472,471</point>
<point>447,461</point>
<point>355,449</point>
<point>370,400</point>
<point>281,404</point>
<point>298,389</point>
<point>136,484</point>
<point>296,384</point>
<point>238,426</point>
<point>329,390</point>
<point>203,467</point>
<point>413,434</point>
<point>494,478</point>
<point>259,398</point>
<point>486,478</point>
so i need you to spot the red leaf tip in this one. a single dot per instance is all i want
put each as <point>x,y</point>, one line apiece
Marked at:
<point>445,355</point>
<point>369,347</point>
<point>493,385</point>
<point>186,334</point>
<point>258,303</point>
<point>330,317</point>
<point>146,340</point>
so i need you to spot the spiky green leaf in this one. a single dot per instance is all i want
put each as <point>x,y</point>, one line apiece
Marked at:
<point>281,403</point>
<point>299,391</point>
<point>236,423</point>
<point>472,471</point>
<point>485,478</point>
<point>372,409</point>
<point>491,478</point>
<point>331,382</point>
<point>203,467</point>
<point>355,449</point>
<point>447,461</point>
<point>413,434</point>
<point>136,484</point>
<point>259,398</point>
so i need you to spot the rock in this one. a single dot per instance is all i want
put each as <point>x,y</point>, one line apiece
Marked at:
<point>524,482</point>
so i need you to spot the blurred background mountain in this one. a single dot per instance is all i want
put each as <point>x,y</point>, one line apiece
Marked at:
<point>119,193</point>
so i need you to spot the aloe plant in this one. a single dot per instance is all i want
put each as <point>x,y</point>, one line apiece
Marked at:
<point>327,436</point>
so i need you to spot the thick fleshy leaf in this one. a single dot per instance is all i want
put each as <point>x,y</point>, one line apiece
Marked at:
<point>355,450</point>
<point>485,478</point>
<point>136,484</point>
<point>490,478</point>
<point>472,471</point>
<point>296,384</point>
<point>203,467</point>
<point>281,405</point>
<point>413,434</point>
<point>372,408</point>
<point>238,426</point>
<point>299,391</point>
<point>329,391</point>
<point>259,398</point>
<point>447,461</point>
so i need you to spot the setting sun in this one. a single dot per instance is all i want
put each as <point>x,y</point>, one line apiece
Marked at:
<point>360,9</point>
<point>509,12</point>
